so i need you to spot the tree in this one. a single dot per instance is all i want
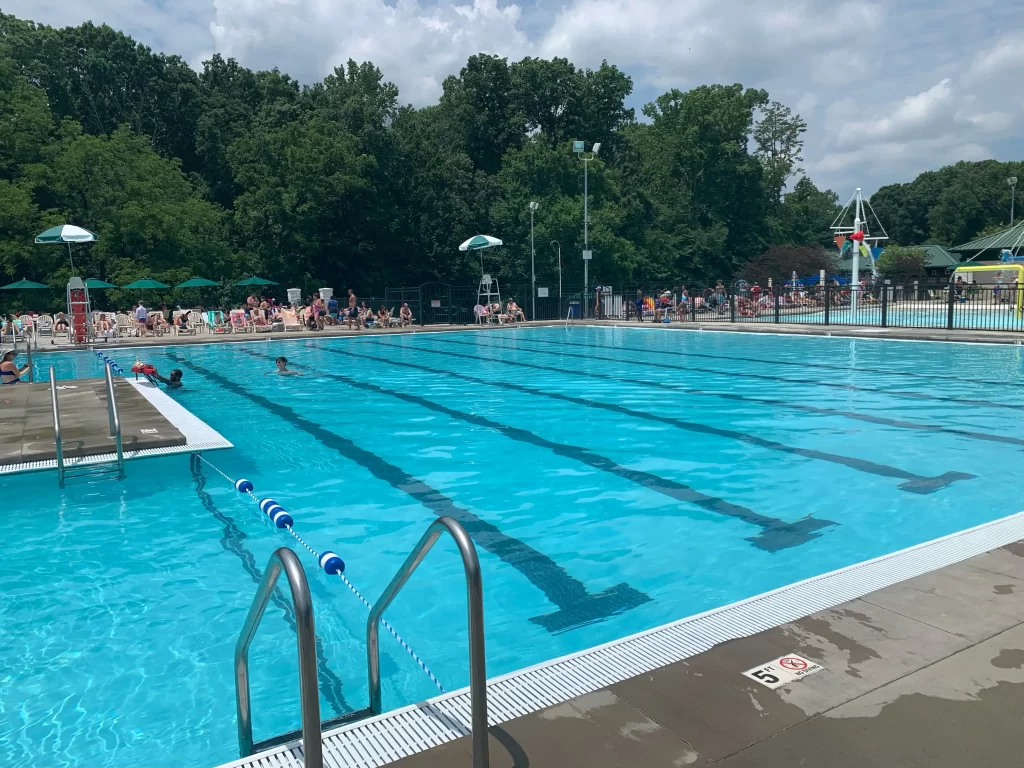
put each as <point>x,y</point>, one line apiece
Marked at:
<point>804,216</point>
<point>779,146</point>
<point>901,264</point>
<point>780,261</point>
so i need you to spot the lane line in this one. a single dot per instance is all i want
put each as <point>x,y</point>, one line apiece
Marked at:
<point>577,606</point>
<point>776,534</point>
<point>913,483</point>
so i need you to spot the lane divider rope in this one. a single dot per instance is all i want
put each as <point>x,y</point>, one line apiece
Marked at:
<point>328,561</point>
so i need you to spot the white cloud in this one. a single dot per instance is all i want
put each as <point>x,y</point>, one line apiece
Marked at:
<point>888,89</point>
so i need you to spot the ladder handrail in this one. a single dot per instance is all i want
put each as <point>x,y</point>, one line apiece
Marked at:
<point>56,428</point>
<point>282,561</point>
<point>114,420</point>
<point>475,601</point>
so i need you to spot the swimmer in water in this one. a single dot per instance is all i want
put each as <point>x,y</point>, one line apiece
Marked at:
<point>282,368</point>
<point>174,382</point>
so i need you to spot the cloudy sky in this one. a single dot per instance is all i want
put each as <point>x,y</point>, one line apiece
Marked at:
<point>888,89</point>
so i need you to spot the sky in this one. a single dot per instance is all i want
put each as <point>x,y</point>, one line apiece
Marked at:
<point>888,89</point>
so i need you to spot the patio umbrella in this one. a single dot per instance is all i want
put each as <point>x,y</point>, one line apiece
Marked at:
<point>255,281</point>
<point>22,284</point>
<point>67,233</point>
<point>95,282</point>
<point>145,282</point>
<point>196,282</point>
<point>478,243</point>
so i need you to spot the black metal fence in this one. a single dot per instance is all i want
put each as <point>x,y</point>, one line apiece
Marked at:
<point>955,306</point>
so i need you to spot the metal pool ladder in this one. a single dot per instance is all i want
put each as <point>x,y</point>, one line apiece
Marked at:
<point>66,472</point>
<point>311,731</point>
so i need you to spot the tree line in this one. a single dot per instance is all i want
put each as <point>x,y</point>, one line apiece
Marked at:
<point>229,171</point>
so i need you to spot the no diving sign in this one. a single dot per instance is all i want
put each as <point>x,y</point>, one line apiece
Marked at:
<point>783,671</point>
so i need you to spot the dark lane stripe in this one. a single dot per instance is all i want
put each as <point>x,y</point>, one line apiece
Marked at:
<point>231,541</point>
<point>913,483</point>
<point>747,398</point>
<point>576,606</point>
<point>794,364</point>
<point>786,380</point>
<point>776,534</point>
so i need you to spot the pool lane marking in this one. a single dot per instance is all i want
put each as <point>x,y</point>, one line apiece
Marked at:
<point>913,483</point>
<point>899,423</point>
<point>576,605</point>
<point>775,535</point>
<point>783,379</point>
<point>231,541</point>
<point>792,363</point>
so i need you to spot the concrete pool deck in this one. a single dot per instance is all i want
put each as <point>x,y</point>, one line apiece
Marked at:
<point>926,673</point>
<point>793,329</point>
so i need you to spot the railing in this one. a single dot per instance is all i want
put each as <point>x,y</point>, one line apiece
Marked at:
<point>56,428</point>
<point>475,600</point>
<point>282,561</point>
<point>114,421</point>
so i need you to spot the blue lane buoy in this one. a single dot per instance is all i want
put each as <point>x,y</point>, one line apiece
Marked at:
<point>264,503</point>
<point>281,518</point>
<point>242,485</point>
<point>332,564</point>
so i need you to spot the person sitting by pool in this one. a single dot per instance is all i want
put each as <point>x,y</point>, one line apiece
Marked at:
<point>10,373</point>
<point>282,368</point>
<point>405,314</point>
<point>514,312</point>
<point>383,317</point>
<point>174,382</point>
<point>61,322</point>
<point>365,316</point>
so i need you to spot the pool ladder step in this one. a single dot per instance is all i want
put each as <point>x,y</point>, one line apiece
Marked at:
<point>287,562</point>
<point>92,470</point>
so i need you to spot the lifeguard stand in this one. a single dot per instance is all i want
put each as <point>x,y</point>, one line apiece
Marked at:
<point>79,311</point>
<point>488,293</point>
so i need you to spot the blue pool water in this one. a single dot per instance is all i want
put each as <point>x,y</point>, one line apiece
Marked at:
<point>614,480</point>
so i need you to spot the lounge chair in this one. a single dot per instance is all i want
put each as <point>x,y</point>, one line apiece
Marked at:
<point>44,326</point>
<point>290,320</point>
<point>215,322</point>
<point>239,322</point>
<point>259,321</point>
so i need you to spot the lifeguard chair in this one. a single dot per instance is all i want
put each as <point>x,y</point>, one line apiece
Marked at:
<point>79,311</point>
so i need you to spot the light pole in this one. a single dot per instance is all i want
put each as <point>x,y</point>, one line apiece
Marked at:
<point>578,147</point>
<point>533,274</point>
<point>559,247</point>
<point>1012,181</point>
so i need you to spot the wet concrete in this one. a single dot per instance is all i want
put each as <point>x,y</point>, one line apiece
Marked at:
<point>926,673</point>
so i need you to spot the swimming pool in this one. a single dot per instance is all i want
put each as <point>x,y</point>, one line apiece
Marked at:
<point>615,479</point>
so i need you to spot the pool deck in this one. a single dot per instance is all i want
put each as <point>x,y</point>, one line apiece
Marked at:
<point>927,673</point>
<point>794,329</point>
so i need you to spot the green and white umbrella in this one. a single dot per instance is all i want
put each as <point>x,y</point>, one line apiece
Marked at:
<point>67,233</point>
<point>478,242</point>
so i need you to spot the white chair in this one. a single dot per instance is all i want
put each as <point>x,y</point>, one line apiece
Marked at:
<point>125,325</point>
<point>197,320</point>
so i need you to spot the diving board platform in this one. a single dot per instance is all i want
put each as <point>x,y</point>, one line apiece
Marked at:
<point>152,424</point>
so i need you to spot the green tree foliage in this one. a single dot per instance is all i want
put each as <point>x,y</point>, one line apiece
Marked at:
<point>230,171</point>
<point>901,263</point>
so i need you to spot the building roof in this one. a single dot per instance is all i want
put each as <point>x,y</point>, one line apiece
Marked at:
<point>1008,238</point>
<point>935,257</point>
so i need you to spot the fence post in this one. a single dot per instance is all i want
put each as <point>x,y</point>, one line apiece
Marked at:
<point>732,307</point>
<point>885,304</point>
<point>423,311</point>
<point>775,295</point>
<point>828,301</point>
<point>949,308</point>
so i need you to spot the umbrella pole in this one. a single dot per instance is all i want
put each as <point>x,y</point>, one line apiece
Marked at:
<point>72,258</point>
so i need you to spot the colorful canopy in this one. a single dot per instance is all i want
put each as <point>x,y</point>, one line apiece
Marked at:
<point>146,282</point>
<point>66,233</point>
<point>255,281</point>
<point>196,282</point>
<point>23,283</point>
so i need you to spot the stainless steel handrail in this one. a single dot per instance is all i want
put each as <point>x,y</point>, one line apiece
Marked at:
<point>114,420</point>
<point>283,560</point>
<point>56,428</point>
<point>475,600</point>
<point>28,355</point>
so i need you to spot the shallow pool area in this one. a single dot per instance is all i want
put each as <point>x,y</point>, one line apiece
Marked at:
<point>613,479</point>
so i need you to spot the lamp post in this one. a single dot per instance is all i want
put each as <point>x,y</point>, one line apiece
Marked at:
<point>578,147</point>
<point>559,247</point>
<point>533,274</point>
<point>1012,181</point>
